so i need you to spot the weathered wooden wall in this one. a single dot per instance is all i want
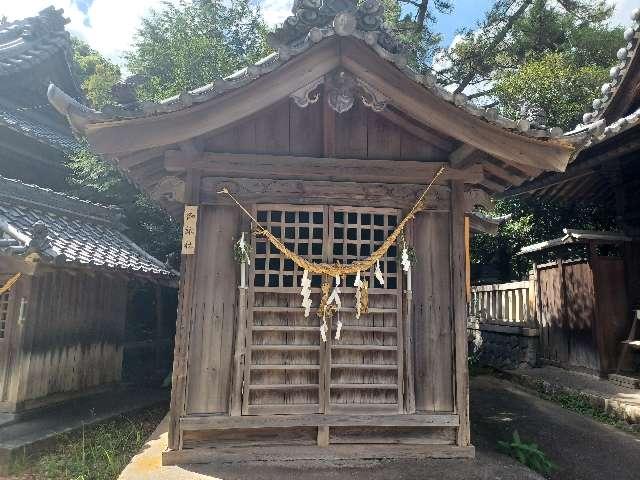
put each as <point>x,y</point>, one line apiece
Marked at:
<point>432,313</point>
<point>213,311</point>
<point>359,133</point>
<point>9,343</point>
<point>583,312</point>
<point>70,336</point>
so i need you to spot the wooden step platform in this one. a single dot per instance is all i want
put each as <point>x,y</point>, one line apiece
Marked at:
<point>329,453</point>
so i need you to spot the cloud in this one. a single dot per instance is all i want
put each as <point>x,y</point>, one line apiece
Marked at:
<point>108,25</point>
<point>622,14</point>
<point>275,11</point>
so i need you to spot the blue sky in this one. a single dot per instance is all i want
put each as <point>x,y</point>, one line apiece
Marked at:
<point>110,25</point>
<point>466,13</point>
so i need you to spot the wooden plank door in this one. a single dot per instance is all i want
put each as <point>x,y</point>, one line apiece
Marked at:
<point>284,353</point>
<point>365,364</point>
<point>287,367</point>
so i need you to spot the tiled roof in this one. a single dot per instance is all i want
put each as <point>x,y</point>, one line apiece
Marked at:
<point>37,131</point>
<point>79,232</point>
<point>311,23</point>
<point>29,41</point>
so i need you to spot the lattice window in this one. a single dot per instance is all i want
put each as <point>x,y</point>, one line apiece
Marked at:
<point>4,314</point>
<point>302,230</point>
<point>356,232</point>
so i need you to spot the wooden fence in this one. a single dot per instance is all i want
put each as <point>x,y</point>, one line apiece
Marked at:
<point>505,303</point>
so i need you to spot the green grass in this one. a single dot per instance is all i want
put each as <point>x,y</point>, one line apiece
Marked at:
<point>583,405</point>
<point>98,452</point>
<point>529,454</point>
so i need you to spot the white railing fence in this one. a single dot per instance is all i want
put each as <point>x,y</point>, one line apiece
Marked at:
<point>504,303</point>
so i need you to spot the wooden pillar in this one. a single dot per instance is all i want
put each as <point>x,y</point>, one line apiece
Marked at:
<point>459,304</point>
<point>183,324</point>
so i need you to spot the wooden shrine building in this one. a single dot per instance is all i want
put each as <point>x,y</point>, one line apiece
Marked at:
<point>606,174</point>
<point>65,277</point>
<point>34,140</point>
<point>328,142</point>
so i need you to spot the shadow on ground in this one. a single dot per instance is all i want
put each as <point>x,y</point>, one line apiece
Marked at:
<point>582,448</point>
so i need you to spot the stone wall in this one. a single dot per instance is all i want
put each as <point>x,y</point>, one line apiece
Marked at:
<point>502,346</point>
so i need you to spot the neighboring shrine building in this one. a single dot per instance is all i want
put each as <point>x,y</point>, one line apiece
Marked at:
<point>605,174</point>
<point>328,142</point>
<point>67,275</point>
<point>35,141</point>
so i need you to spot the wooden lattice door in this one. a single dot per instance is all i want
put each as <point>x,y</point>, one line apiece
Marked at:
<point>287,367</point>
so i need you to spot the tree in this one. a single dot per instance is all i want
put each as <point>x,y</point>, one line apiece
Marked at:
<point>533,221</point>
<point>515,32</point>
<point>554,82</point>
<point>95,73</point>
<point>190,44</point>
<point>413,22</point>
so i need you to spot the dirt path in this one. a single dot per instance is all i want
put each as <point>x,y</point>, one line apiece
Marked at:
<point>582,448</point>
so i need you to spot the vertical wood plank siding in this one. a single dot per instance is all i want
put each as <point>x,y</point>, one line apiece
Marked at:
<point>71,336</point>
<point>433,333</point>
<point>213,312</point>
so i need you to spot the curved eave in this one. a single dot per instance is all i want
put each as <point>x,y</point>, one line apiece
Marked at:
<point>427,105</point>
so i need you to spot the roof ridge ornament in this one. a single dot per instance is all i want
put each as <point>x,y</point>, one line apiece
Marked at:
<point>315,19</point>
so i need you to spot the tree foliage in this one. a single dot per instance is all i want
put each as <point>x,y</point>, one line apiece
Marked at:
<point>192,43</point>
<point>95,73</point>
<point>532,221</point>
<point>554,82</point>
<point>515,32</point>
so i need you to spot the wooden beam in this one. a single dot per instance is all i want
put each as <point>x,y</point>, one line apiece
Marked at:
<point>421,132</point>
<point>126,162</point>
<point>312,168</point>
<point>458,157</point>
<point>222,422</point>
<point>178,404</point>
<point>311,192</point>
<point>502,173</point>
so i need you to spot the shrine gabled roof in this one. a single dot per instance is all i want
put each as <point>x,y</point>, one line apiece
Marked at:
<point>611,112</point>
<point>30,41</point>
<point>72,232</point>
<point>314,22</point>
<point>12,119</point>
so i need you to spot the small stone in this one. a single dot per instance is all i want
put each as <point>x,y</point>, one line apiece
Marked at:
<point>635,14</point>
<point>622,54</point>
<point>524,125</point>
<point>459,99</point>
<point>629,34</point>
<point>596,104</point>
<point>186,99</point>
<point>605,89</point>
<point>555,132</point>
<point>614,72</point>
<point>587,117</point>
